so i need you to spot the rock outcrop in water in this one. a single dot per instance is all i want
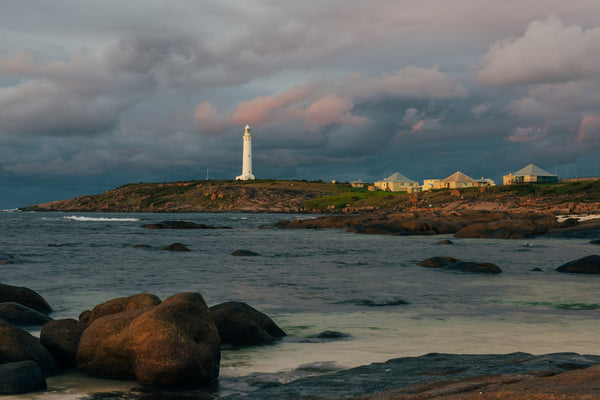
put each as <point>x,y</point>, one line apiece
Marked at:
<point>175,342</point>
<point>454,264</point>
<point>24,296</point>
<point>585,265</point>
<point>242,325</point>
<point>20,315</point>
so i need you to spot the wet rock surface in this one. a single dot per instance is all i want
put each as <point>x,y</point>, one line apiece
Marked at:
<point>585,265</point>
<point>25,296</point>
<point>20,315</point>
<point>241,325</point>
<point>19,345</point>
<point>61,337</point>
<point>21,377</point>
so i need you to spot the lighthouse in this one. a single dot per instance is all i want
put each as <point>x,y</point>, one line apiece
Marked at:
<point>246,157</point>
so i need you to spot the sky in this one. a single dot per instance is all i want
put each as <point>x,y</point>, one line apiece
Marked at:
<point>97,94</point>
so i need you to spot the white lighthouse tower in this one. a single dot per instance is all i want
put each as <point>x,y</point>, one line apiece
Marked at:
<point>246,157</point>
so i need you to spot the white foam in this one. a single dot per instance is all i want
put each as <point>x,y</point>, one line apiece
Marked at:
<point>99,219</point>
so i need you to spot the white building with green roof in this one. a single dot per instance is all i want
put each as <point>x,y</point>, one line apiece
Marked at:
<point>529,174</point>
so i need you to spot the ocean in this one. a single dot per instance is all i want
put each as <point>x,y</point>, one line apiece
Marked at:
<point>368,287</point>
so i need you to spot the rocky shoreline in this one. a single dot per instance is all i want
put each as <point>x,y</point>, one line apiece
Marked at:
<point>465,224</point>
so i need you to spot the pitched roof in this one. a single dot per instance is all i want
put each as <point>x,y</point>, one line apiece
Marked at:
<point>397,177</point>
<point>533,170</point>
<point>459,177</point>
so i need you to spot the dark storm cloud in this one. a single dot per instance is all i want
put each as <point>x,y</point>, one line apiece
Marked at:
<point>162,90</point>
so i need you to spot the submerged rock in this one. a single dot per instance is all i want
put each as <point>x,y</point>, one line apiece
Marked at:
<point>25,296</point>
<point>467,266</point>
<point>176,247</point>
<point>595,241</point>
<point>182,225</point>
<point>585,265</point>
<point>20,315</point>
<point>19,345</point>
<point>21,377</point>
<point>244,253</point>
<point>445,242</point>
<point>61,337</point>
<point>240,324</point>
<point>438,262</point>
<point>173,343</point>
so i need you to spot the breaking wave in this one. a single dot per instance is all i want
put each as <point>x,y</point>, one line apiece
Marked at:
<point>98,219</point>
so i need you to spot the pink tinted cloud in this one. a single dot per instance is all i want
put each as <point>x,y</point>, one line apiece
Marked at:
<point>528,134</point>
<point>209,120</point>
<point>589,128</point>
<point>265,109</point>
<point>330,109</point>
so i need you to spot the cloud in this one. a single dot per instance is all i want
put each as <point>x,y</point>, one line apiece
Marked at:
<point>589,129</point>
<point>548,52</point>
<point>419,121</point>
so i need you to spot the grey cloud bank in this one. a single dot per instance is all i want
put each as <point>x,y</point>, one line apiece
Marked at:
<point>94,96</point>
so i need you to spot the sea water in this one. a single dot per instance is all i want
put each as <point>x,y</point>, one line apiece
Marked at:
<point>368,287</point>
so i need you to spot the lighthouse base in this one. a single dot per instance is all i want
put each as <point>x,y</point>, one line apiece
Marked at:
<point>246,177</point>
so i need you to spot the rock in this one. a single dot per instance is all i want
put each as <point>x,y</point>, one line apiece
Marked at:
<point>25,296</point>
<point>61,338</point>
<point>173,343</point>
<point>240,324</point>
<point>21,377</point>
<point>331,335</point>
<point>182,225</point>
<point>445,242</point>
<point>506,229</point>
<point>119,304</point>
<point>19,345</point>
<point>142,246</point>
<point>438,262</point>
<point>585,265</point>
<point>176,247</point>
<point>595,241</point>
<point>536,269</point>
<point>20,315</point>
<point>466,266</point>
<point>244,253</point>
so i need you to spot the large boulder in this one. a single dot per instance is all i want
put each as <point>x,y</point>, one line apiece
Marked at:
<point>438,262</point>
<point>19,345</point>
<point>21,377</point>
<point>468,266</point>
<point>61,337</point>
<point>240,324</point>
<point>119,304</point>
<point>585,265</point>
<point>25,296</point>
<point>175,342</point>
<point>20,315</point>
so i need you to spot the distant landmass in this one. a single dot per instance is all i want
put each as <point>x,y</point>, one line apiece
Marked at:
<point>324,197</point>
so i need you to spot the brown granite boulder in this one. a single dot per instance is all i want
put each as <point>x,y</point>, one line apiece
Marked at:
<point>21,377</point>
<point>61,338</point>
<point>25,296</point>
<point>585,265</point>
<point>19,345</point>
<point>119,304</point>
<point>242,325</point>
<point>438,262</point>
<point>20,315</point>
<point>175,342</point>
